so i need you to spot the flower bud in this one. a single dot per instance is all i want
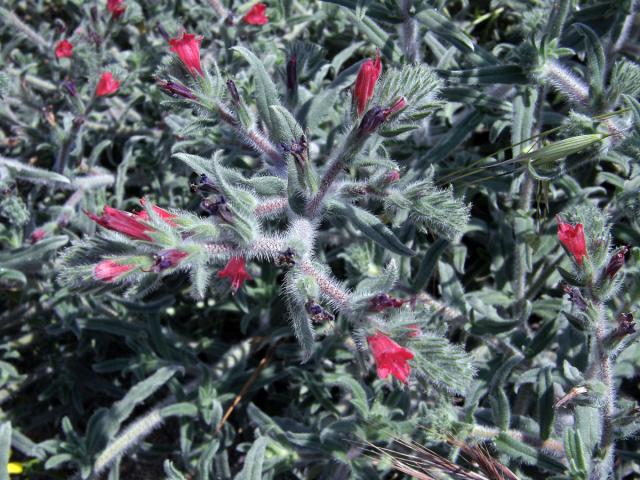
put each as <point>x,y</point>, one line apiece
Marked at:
<point>317,313</point>
<point>383,301</point>
<point>366,81</point>
<point>233,91</point>
<point>616,262</point>
<point>371,121</point>
<point>292,75</point>
<point>575,297</point>
<point>70,87</point>
<point>167,259</point>
<point>176,90</point>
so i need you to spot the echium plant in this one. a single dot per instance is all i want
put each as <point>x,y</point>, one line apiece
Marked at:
<point>277,210</point>
<point>594,278</point>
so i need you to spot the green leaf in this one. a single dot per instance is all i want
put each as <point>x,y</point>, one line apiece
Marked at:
<point>252,469</point>
<point>11,279</point>
<point>371,226</point>
<point>527,454</point>
<point>595,57</point>
<point>5,449</point>
<point>105,423</point>
<point>546,401</point>
<point>500,409</point>
<point>428,264</point>
<point>32,174</point>
<point>442,27</point>
<point>266,92</point>
<point>543,338</point>
<point>376,35</point>
<point>490,75</point>
<point>359,395</point>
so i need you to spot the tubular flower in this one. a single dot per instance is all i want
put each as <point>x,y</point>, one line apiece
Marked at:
<point>116,8</point>
<point>236,272</point>
<point>64,49</point>
<point>107,85</point>
<point>37,235</point>
<point>109,270</point>
<point>366,82</point>
<point>161,212</point>
<point>256,15</point>
<point>188,49</point>
<point>123,222</point>
<point>390,357</point>
<point>572,237</point>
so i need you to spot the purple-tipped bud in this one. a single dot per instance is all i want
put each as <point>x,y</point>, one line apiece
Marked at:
<point>163,33</point>
<point>205,184</point>
<point>372,120</point>
<point>95,37</point>
<point>93,11</point>
<point>167,259</point>
<point>292,74</point>
<point>60,26</point>
<point>286,258</point>
<point>382,301</point>
<point>218,208</point>
<point>626,326</point>
<point>317,312</point>
<point>617,262</point>
<point>70,87</point>
<point>233,91</point>
<point>176,90</point>
<point>575,297</point>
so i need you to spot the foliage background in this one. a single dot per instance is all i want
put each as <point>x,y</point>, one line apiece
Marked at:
<point>79,367</point>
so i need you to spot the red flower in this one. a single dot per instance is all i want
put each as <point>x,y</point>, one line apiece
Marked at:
<point>107,85</point>
<point>188,49</point>
<point>390,357</point>
<point>37,235</point>
<point>234,270</point>
<point>366,81</point>
<point>572,237</point>
<point>392,176</point>
<point>109,270</point>
<point>64,49</point>
<point>123,222</point>
<point>116,8</point>
<point>256,15</point>
<point>161,212</point>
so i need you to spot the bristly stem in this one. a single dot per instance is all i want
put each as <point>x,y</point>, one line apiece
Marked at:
<point>410,39</point>
<point>603,368</point>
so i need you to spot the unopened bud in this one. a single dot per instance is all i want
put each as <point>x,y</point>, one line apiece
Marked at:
<point>70,87</point>
<point>233,91</point>
<point>163,33</point>
<point>176,90</point>
<point>575,297</point>
<point>392,176</point>
<point>626,326</point>
<point>382,301</point>
<point>372,120</point>
<point>616,262</point>
<point>292,74</point>
<point>167,259</point>
<point>218,208</point>
<point>317,312</point>
<point>286,258</point>
<point>398,105</point>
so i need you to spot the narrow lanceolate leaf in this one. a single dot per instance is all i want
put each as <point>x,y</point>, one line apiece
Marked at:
<point>5,449</point>
<point>376,35</point>
<point>252,469</point>
<point>546,400</point>
<point>296,297</point>
<point>428,264</point>
<point>371,227</point>
<point>266,92</point>
<point>595,58</point>
<point>444,28</point>
<point>562,149</point>
<point>32,174</point>
<point>104,424</point>
<point>508,74</point>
